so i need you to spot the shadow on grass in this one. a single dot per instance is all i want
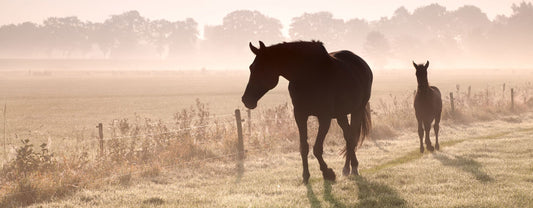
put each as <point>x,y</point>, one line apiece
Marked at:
<point>370,194</point>
<point>329,197</point>
<point>465,164</point>
<point>315,203</point>
<point>374,194</point>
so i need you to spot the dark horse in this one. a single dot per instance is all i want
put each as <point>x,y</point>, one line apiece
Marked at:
<point>320,84</point>
<point>428,107</point>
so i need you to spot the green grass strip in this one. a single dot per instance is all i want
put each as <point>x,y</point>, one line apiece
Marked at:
<point>415,154</point>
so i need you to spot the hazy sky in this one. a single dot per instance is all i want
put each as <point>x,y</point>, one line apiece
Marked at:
<point>212,12</point>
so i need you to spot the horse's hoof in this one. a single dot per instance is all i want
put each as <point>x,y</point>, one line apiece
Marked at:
<point>437,147</point>
<point>346,171</point>
<point>328,174</point>
<point>430,148</point>
<point>421,149</point>
<point>355,172</point>
<point>306,178</point>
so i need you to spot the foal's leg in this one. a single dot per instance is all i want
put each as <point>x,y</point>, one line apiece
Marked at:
<point>301,122</point>
<point>427,127</point>
<point>318,149</point>
<point>421,135</point>
<point>345,126</point>
<point>436,128</point>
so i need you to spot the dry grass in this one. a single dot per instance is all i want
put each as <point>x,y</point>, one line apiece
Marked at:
<point>487,168</point>
<point>139,146</point>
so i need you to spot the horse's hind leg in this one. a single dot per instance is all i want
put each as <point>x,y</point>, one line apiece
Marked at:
<point>355,125</point>
<point>421,136</point>
<point>345,126</point>
<point>318,149</point>
<point>436,128</point>
<point>427,127</point>
<point>301,122</point>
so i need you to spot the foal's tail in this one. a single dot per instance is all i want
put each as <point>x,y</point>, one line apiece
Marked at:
<point>366,125</point>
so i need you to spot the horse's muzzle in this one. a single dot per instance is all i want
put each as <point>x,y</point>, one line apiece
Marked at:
<point>248,103</point>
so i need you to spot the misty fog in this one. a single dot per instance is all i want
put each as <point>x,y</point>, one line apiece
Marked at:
<point>461,38</point>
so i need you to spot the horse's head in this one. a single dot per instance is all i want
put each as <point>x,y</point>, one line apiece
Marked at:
<point>421,72</point>
<point>263,76</point>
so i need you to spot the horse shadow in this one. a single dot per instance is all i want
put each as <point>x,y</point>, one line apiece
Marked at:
<point>465,164</point>
<point>369,194</point>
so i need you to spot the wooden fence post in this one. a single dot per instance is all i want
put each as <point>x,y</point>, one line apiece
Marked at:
<point>503,91</point>
<point>512,99</point>
<point>249,112</point>
<point>487,96</point>
<point>451,102</point>
<point>101,139</point>
<point>469,89</point>
<point>240,143</point>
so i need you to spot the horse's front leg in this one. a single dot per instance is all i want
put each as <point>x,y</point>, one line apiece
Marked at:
<point>318,149</point>
<point>421,135</point>
<point>301,122</point>
<point>427,128</point>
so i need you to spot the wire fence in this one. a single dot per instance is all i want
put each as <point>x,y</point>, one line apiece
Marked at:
<point>217,121</point>
<point>165,168</point>
<point>257,150</point>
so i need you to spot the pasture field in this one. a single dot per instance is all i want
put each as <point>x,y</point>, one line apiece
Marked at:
<point>486,164</point>
<point>67,105</point>
<point>157,166</point>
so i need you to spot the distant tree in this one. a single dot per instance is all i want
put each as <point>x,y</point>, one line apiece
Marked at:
<point>521,21</point>
<point>227,44</point>
<point>511,36</point>
<point>66,35</point>
<point>242,26</point>
<point>21,40</point>
<point>430,21</point>
<point>401,23</point>
<point>319,26</point>
<point>173,38</point>
<point>122,36</point>
<point>356,33</point>
<point>184,37</point>
<point>468,18</point>
<point>377,48</point>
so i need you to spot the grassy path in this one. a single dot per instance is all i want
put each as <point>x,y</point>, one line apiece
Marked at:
<point>481,165</point>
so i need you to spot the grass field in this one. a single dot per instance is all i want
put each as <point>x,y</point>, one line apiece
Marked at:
<point>63,104</point>
<point>484,164</point>
<point>62,109</point>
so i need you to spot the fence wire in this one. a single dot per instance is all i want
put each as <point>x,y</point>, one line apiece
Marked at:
<point>166,168</point>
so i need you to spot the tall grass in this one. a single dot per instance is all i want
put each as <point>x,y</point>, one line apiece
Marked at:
<point>143,147</point>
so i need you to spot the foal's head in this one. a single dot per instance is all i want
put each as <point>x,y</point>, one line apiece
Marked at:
<point>422,73</point>
<point>263,76</point>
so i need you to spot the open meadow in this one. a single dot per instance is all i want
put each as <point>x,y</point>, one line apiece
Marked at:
<point>485,164</point>
<point>65,104</point>
<point>170,140</point>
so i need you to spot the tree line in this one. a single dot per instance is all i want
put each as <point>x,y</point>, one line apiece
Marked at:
<point>464,37</point>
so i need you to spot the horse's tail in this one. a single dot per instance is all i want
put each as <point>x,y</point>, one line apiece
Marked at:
<point>366,125</point>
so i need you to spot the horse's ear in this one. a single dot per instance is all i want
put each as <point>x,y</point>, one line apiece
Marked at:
<point>414,64</point>
<point>427,64</point>
<point>253,48</point>
<point>261,45</point>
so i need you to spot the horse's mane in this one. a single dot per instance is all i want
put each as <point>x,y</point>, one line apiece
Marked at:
<point>305,49</point>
